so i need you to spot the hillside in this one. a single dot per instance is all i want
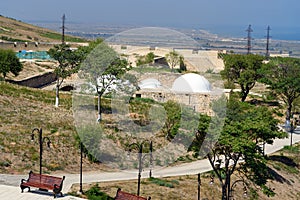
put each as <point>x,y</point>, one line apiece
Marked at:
<point>22,110</point>
<point>12,30</point>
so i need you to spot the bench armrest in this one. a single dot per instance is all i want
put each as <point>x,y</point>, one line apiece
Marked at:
<point>23,180</point>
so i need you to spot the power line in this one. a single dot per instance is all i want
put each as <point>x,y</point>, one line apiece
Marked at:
<point>63,29</point>
<point>268,42</point>
<point>249,30</point>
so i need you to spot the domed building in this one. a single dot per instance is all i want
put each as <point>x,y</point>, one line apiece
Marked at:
<point>150,83</point>
<point>190,89</point>
<point>191,83</point>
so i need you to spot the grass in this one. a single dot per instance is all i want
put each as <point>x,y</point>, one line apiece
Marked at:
<point>23,109</point>
<point>165,183</point>
<point>12,39</point>
<point>47,97</point>
<point>57,36</point>
<point>183,187</point>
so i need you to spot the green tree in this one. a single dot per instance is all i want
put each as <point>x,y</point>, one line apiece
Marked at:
<point>147,59</point>
<point>246,126</point>
<point>242,70</point>
<point>282,75</point>
<point>9,62</point>
<point>172,123</point>
<point>182,65</point>
<point>106,71</point>
<point>68,64</point>
<point>174,59</point>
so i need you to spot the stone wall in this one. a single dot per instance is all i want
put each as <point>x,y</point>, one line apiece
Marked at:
<point>199,102</point>
<point>166,79</point>
<point>37,81</point>
<point>19,46</point>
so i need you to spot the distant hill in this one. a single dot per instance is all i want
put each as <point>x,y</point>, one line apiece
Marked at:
<point>12,30</point>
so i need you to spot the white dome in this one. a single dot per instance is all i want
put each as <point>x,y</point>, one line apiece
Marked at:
<point>149,83</point>
<point>191,82</point>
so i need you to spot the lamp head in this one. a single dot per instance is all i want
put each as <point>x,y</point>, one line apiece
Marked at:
<point>48,144</point>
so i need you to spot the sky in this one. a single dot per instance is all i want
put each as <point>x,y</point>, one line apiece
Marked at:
<point>214,14</point>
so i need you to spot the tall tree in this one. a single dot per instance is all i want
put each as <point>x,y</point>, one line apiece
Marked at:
<point>246,126</point>
<point>172,124</point>
<point>282,75</point>
<point>242,70</point>
<point>173,58</point>
<point>68,64</point>
<point>9,62</point>
<point>105,70</point>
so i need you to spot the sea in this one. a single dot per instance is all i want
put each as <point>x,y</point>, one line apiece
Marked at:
<point>227,31</point>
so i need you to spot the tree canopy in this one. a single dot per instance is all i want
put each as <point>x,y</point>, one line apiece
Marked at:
<point>246,128</point>
<point>147,59</point>
<point>242,70</point>
<point>174,58</point>
<point>68,64</point>
<point>105,70</point>
<point>282,75</point>
<point>9,62</point>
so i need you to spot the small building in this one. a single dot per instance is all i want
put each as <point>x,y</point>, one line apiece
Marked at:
<point>189,89</point>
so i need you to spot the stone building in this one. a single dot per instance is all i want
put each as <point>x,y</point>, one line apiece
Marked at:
<point>189,89</point>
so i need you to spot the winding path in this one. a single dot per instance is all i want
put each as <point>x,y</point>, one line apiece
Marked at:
<point>9,184</point>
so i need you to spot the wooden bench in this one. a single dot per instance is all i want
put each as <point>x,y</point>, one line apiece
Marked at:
<point>127,196</point>
<point>43,182</point>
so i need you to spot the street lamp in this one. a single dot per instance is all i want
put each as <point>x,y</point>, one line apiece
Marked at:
<point>80,181</point>
<point>231,188</point>
<point>41,142</point>
<point>290,126</point>
<point>139,147</point>
<point>199,186</point>
<point>245,193</point>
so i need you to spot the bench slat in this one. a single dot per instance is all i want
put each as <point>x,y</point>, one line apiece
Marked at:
<point>127,196</point>
<point>43,182</point>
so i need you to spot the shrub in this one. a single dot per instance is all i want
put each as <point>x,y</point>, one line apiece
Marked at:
<point>94,193</point>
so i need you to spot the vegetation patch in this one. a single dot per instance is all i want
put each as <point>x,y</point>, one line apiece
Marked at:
<point>164,183</point>
<point>57,36</point>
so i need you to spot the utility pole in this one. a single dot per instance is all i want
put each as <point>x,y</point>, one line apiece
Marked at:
<point>268,42</point>
<point>249,30</point>
<point>63,29</point>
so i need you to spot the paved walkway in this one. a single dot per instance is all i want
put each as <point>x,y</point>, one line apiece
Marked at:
<point>14,193</point>
<point>10,190</point>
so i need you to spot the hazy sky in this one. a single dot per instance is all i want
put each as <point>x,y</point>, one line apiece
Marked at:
<point>167,13</point>
<point>158,12</point>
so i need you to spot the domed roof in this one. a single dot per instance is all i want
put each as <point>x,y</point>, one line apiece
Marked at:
<point>191,82</point>
<point>149,83</point>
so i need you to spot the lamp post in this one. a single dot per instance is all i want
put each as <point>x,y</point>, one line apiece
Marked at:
<point>139,147</point>
<point>290,126</point>
<point>41,142</point>
<point>199,186</point>
<point>80,181</point>
<point>245,193</point>
<point>231,188</point>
